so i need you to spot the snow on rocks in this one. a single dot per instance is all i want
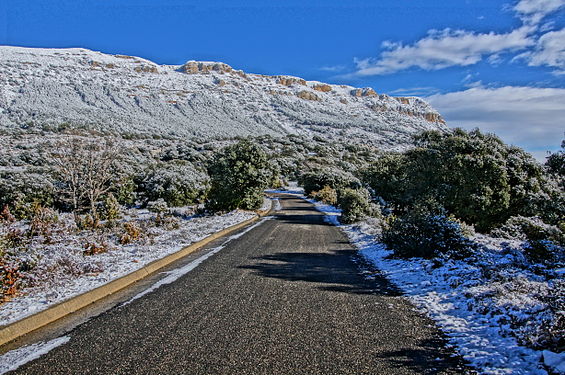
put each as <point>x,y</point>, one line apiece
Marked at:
<point>126,94</point>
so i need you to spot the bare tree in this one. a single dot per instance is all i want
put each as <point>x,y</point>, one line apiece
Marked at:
<point>85,169</point>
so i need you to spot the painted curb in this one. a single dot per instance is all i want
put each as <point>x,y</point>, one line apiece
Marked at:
<point>30,323</point>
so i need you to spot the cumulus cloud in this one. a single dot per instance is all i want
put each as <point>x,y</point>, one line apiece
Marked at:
<point>443,49</point>
<point>529,117</point>
<point>533,11</point>
<point>549,51</point>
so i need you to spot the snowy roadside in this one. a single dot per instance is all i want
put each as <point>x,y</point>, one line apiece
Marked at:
<point>475,312</point>
<point>63,271</point>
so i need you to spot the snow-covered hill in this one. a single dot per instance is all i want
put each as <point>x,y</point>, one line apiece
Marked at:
<point>131,95</point>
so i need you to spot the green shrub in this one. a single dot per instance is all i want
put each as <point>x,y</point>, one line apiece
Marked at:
<point>426,236</point>
<point>387,177</point>
<point>111,210</point>
<point>475,176</point>
<point>239,174</point>
<point>125,191</point>
<point>159,207</point>
<point>355,204</point>
<point>334,178</point>
<point>326,195</point>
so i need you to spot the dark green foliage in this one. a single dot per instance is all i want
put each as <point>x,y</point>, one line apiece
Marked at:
<point>475,176</point>
<point>555,162</point>
<point>425,235</point>
<point>387,176</point>
<point>334,178</point>
<point>354,203</point>
<point>126,191</point>
<point>239,174</point>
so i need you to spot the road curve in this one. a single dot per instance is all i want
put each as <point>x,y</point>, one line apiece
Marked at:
<point>285,298</point>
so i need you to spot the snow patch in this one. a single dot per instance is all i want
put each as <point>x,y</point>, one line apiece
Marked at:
<point>19,357</point>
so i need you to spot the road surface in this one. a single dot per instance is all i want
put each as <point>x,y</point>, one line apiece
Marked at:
<point>287,297</point>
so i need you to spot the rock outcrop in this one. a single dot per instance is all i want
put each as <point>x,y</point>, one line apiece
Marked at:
<point>290,81</point>
<point>322,87</point>
<point>307,95</point>
<point>367,91</point>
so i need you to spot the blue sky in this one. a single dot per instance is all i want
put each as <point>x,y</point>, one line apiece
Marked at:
<point>498,65</point>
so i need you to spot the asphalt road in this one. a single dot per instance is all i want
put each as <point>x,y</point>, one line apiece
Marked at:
<point>288,297</point>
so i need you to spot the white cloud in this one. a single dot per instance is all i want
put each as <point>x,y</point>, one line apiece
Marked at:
<point>549,51</point>
<point>443,49</point>
<point>533,11</point>
<point>333,68</point>
<point>415,91</point>
<point>529,117</point>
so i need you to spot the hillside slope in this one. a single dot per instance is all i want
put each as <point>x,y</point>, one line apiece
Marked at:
<point>131,95</point>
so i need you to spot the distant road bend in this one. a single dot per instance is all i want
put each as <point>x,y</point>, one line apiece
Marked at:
<point>287,297</point>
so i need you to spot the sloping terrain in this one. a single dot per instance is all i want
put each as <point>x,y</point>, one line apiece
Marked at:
<point>53,88</point>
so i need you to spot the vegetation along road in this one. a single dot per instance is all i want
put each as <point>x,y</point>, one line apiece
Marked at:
<point>288,297</point>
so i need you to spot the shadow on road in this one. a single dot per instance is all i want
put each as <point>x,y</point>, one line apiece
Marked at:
<point>333,271</point>
<point>432,357</point>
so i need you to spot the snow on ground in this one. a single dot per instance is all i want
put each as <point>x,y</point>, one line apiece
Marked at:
<point>19,357</point>
<point>452,293</point>
<point>63,271</point>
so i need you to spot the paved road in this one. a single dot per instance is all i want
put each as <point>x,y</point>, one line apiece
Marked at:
<point>285,298</point>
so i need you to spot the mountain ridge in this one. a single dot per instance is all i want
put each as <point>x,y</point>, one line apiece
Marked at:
<point>202,99</point>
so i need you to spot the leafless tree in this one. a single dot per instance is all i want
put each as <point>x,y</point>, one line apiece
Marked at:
<point>85,169</point>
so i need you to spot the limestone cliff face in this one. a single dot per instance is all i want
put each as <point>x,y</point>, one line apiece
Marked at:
<point>134,96</point>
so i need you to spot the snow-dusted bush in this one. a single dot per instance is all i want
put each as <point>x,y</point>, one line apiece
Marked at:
<point>355,204</point>
<point>20,190</point>
<point>160,207</point>
<point>528,228</point>
<point>85,170</point>
<point>239,174</point>
<point>424,235</point>
<point>178,183</point>
<point>544,243</point>
<point>111,209</point>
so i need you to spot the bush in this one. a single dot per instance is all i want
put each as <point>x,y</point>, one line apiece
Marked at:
<point>475,176</point>
<point>10,280</point>
<point>544,243</point>
<point>355,204</point>
<point>177,183</point>
<point>111,210</point>
<point>387,178</point>
<point>132,232</point>
<point>326,195</point>
<point>333,178</point>
<point>20,191</point>
<point>239,174</point>
<point>427,236</point>
<point>159,207</point>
